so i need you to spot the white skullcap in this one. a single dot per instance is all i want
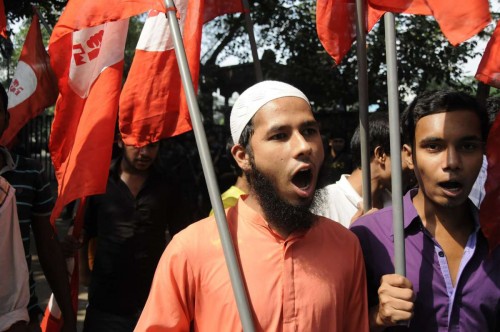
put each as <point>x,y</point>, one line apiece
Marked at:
<point>253,98</point>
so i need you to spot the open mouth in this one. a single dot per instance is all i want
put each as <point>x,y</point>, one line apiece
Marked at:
<point>451,185</point>
<point>302,179</point>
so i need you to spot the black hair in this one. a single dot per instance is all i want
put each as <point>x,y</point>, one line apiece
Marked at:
<point>232,162</point>
<point>439,101</point>
<point>246,135</point>
<point>378,126</point>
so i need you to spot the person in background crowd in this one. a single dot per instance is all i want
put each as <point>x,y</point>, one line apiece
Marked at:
<point>130,223</point>
<point>14,288</point>
<point>344,199</point>
<point>338,161</point>
<point>34,206</point>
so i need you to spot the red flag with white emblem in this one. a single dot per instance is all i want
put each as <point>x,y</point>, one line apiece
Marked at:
<point>488,71</point>
<point>153,105</point>
<point>86,52</point>
<point>33,87</point>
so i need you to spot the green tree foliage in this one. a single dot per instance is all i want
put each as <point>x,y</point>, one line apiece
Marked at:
<point>288,28</point>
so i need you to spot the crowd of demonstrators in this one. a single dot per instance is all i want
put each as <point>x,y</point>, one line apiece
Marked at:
<point>34,205</point>
<point>453,282</point>
<point>302,272</point>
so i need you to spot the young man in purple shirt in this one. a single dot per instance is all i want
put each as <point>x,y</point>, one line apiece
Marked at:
<point>452,282</point>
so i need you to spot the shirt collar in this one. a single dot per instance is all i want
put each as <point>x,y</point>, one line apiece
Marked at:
<point>410,214</point>
<point>9,162</point>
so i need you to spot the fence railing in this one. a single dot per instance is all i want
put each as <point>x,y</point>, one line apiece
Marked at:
<point>33,142</point>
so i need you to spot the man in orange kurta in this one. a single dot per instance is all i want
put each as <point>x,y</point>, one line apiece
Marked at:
<point>302,272</point>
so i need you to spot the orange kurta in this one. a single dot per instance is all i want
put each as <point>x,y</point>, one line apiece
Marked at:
<point>308,282</point>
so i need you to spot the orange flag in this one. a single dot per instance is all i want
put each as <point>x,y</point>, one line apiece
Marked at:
<point>488,71</point>
<point>336,25</point>
<point>458,22</point>
<point>152,103</point>
<point>86,49</point>
<point>33,87</point>
<point>3,21</point>
<point>489,218</point>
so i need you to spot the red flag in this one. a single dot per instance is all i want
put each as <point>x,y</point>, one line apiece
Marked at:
<point>214,8</point>
<point>336,25</point>
<point>458,22</point>
<point>153,104</point>
<point>489,218</point>
<point>3,21</point>
<point>488,71</point>
<point>86,50</point>
<point>33,87</point>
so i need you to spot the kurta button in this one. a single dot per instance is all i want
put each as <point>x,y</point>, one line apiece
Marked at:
<point>441,254</point>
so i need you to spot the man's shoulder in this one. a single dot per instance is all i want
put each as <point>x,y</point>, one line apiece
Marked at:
<point>334,229</point>
<point>375,223</point>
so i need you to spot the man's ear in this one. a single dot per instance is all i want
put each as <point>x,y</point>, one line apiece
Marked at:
<point>379,155</point>
<point>241,157</point>
<point>408,155</point>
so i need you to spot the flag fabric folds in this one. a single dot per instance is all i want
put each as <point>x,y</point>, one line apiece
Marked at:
<point>457,22</point>
<point>489,218</point>
<point>152,104</point>
<point>335,19</point>
<point>336,25</point>
<point>3,21</point>
<point>86,52</point>
<point>488,71</point>
<point>34,85</point>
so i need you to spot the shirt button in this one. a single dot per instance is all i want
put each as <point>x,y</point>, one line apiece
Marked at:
<point>441,254</point>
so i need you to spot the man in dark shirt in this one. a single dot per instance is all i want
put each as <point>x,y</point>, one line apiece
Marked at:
<point>130,224</point>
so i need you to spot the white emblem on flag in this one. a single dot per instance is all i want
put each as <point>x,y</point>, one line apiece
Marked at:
<point>23,84</point>
<point>95,49</point>
<point>156,35</point>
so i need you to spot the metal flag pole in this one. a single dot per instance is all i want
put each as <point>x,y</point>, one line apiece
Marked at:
<point>363,101</point>
<point>253,45</point>
<point>208,170</point>
<point>395,138</point>
<point>42,19</point>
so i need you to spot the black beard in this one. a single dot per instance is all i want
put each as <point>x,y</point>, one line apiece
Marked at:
<point>282,215</point>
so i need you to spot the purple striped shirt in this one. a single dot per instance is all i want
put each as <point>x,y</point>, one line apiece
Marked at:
<point>472,305</point>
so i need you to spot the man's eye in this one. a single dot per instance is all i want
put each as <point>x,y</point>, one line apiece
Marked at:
<point>279,136</point>
<point>310,131</point>
<point>432,147</point>
<point>470,146</point>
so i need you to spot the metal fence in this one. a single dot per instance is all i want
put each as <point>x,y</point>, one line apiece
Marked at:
<point>33,142</point>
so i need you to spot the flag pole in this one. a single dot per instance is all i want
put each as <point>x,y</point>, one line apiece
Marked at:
<point>208,170</point>
<point>395,139</point>
<point>42,19</point>
<point>253,45</point>
<point>363,101</point>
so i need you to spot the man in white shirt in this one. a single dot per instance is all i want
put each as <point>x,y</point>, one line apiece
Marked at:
<point>14,288</point>
<point>343,199</point>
